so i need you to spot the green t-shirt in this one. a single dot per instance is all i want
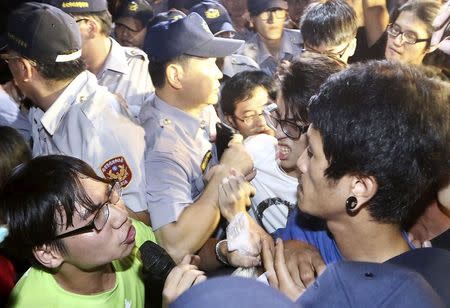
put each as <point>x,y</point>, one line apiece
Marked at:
<point>38,288</point>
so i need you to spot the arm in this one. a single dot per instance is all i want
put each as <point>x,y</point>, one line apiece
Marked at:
<point>376,19</point>
<point>197,221</point>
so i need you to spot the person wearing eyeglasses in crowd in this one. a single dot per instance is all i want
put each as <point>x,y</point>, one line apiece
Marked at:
<point>409,35</point>
<point>123,70</point>
<point>319,18</point>
<point>275,158</point>
<point>74,228</point>
<point>130,24</point>
<point>243,99</point>
<point>271,43</point>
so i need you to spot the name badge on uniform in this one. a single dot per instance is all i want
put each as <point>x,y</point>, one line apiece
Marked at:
<point>117,169</point>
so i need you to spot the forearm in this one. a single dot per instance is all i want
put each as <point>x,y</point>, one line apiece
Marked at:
<point>195,224</point>
<point>376,18</point>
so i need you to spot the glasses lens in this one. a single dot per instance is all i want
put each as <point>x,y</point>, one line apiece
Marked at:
<point>290,129</point>
<point>410,37</point>
<point>264,15</point>
<point>116,193</point>
<point>393,30</point>
<point>101,217</point>
<point>280,14</point>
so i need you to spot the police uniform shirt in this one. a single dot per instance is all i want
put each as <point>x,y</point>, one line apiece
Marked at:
<point>178,150</point>
<point>125,73</point>
<point>291,46</point>
<point>83,123</point>
<point>235,63</point>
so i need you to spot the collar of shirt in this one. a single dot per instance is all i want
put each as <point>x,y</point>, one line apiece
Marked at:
<point>180,118</point>
<point>52,117</point>
<point>116,60</point>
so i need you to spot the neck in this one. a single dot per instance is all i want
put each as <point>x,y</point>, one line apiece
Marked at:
<point>178,100</point>
<point>273,46</point>
<point>47,93</point>
<point>368,240</point>
<point>78,281</point>
<point>95,53</point>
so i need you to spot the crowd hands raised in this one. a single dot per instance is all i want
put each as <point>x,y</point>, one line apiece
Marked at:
<point>323,167</point>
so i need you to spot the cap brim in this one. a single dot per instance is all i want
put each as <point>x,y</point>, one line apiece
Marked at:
<point>226,26</point>
<point>215,48</point>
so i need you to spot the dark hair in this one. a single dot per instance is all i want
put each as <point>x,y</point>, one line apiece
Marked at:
<point>302,80</point>
<point>38,197</point>
<point>329,23</point>
<point>13,151</point>
<point>104,18</point>
<point>240,88</point>
<point>425,10</point>
<point>157,69</point>
<point>389,121</point>
<point>61,70</point>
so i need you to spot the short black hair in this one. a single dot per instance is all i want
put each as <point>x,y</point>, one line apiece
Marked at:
<point>240,88</point>
<point>302,80</point>
<point>38,196</point>
<point>157,69</point>
<point>14,151</point>
<point>329,23</point>
<point>386,120</point>
<point>57,71</point>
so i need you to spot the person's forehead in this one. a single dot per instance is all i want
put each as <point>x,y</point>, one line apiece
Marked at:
<point>408,21</point>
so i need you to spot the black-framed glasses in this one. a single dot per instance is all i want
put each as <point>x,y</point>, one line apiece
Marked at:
<point>409,37</point>
<point>277,14</point>
<point>335,55</point>
<point>290,128</point>
<point>102,215</point>
<point>122,27</point>
<point>81,19</point>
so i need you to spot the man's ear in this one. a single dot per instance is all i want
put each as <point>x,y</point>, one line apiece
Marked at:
<point>363,188</point>
<point>230,120</point>
<point>48,256</point>
<point>174,75</point>
<point>352,47</point>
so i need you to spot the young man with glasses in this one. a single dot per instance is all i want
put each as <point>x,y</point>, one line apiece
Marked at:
<point>73,115</point>
<point>123,70</point>
<point>272,43</point>
<point>329,27</point>
<point>74,228</point>
<point>275,159</point>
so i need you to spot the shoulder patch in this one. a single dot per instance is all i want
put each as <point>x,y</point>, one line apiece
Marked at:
<point>135,53</point>
<point>117,169</point>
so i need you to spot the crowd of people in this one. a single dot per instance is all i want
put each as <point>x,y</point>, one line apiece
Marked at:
<point>303,143</point>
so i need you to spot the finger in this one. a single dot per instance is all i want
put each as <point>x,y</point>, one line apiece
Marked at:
<point>318,264</point>
<point>199,279</point>
<point>186,259</point>
<point>187,279</point>
<point>238,259</point>
<point>195,260</point>
<point>284,278</point>
<point>294,272</point>
<point>426,244</point>
<point>267,256</point>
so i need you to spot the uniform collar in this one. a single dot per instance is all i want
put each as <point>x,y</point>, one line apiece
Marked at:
<point>187,122</point>
<point>52,117</point>
<point>116,60</point>
<point>263,52</point>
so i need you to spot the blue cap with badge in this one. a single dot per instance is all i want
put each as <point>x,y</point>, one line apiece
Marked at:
<point>139,9</point>
<point>83,6</point>
<point>215,15</point>
<point>32,24</point>
<point>186,36</point>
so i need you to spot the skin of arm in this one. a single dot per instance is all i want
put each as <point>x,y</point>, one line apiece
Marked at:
<point>376,19</point>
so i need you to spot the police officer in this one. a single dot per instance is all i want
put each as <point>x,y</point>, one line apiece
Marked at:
<point>179,125</point>
<point>131,23</point>
<point>271,44</point>
<point>123,70</point>
<point>220,24</point>
<point>73,115</point>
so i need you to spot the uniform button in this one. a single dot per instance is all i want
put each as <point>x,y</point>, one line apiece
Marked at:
<point>82,99</point>
<point>167,121</point>
<point>203,124</point>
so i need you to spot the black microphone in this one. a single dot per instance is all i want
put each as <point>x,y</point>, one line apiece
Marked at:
<point>156,262</point>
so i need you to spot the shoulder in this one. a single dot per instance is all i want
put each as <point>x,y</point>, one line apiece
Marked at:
<point>242,60</point>
<point>135,54</point>
<point>35,288</point>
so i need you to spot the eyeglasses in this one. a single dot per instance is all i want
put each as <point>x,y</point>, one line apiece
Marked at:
<point>278,14</point>
<point>102,215</point>
<point>266,112</point>
<point>290,128</point>
<point>409,37</point>
<point>331,54</point>
<point>123,28</point>
<point>81,19</point>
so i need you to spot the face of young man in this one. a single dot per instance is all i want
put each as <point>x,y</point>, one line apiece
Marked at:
<point>317,195</point>
<point>130,32</point>
<point>289,149</point>
<point>98,248</point>
<point>248,116</point>
<point>399,50</point>
<point>269,24</point>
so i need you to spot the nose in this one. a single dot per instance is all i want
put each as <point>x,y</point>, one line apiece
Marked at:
<point>271,17</point>
<point>398,40</point>
<point>118,214</point>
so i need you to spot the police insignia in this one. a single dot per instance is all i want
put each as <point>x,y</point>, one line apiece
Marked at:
<point>117,169</point>
<point>212,13</point>
<point>205,161</point>
<point>133,6</point>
